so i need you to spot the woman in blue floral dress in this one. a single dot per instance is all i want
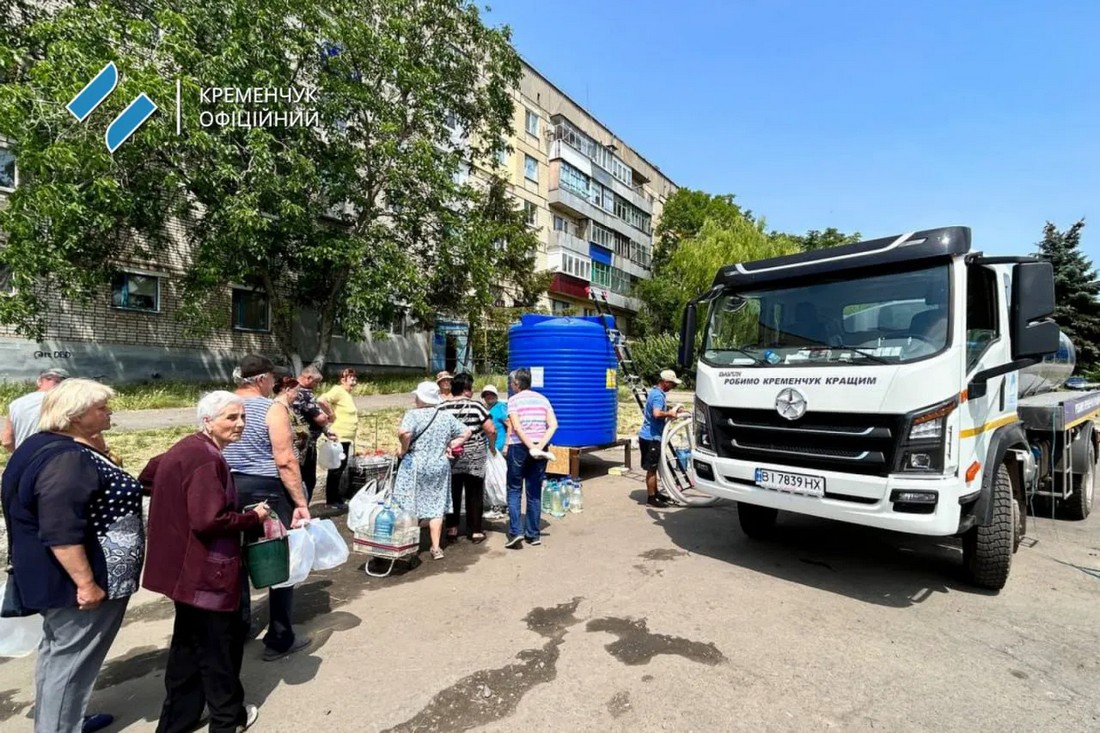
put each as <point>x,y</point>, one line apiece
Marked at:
<point>423,484</point>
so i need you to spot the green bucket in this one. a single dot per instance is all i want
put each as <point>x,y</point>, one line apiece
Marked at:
<point>268,562</point>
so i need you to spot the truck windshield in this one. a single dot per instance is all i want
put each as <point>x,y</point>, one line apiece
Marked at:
<point>890,318</point>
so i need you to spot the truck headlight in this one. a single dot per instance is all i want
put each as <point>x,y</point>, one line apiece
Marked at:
<point>702,426</point>
<point>922,446</point>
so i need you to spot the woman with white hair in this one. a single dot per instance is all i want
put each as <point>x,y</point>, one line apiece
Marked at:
<point>195,530</point>
<point>77,545</point>
<point>423,484</point>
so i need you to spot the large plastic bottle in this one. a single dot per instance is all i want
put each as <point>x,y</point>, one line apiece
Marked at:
<point>547,492</point>
<point>565,497</point>
<point>384,523</point>
<point>372,518</point>
<point>405,520</point>
<point>576,498</point>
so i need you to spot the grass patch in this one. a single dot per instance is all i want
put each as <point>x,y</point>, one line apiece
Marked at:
<point>151,396</point>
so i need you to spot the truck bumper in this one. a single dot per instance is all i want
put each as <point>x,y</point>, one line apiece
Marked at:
<point>848,497</point>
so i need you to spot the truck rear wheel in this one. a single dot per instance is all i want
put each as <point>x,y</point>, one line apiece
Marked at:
<point>1079,503</point>
<point>987,550</point>
<point>757,522</point>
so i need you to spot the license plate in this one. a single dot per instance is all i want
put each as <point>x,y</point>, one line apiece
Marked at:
<point>794,483</point>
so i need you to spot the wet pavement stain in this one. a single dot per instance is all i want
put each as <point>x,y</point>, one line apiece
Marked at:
<point>619,705</point>
<point>638,645</point>
<point>490,695</point>
<point>662,554</point>
<point>9,706</point>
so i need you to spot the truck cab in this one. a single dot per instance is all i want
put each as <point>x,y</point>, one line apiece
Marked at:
<point>874,383</point>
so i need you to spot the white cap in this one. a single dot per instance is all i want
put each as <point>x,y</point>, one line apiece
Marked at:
<point>428,393</point>
<point>670,376</point>
<point>490,388</point>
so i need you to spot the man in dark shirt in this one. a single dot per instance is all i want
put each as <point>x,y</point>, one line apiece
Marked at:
<point>317,416</point>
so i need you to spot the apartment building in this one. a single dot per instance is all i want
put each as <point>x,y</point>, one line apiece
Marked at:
<point>591,198</point>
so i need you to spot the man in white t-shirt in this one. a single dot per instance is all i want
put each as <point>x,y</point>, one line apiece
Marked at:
<point>23,412</point>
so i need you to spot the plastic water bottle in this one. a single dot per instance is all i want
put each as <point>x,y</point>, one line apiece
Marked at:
<point>556,509</point>
<point>372,517</point>
<point>383,525</point>
<point>576,498</point>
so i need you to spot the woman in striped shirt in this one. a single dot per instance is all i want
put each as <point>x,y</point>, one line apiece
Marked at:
<point>531,425</point>
<point>468,465</point>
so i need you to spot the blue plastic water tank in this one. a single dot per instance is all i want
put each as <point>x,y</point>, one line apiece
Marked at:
<point>578,374</point>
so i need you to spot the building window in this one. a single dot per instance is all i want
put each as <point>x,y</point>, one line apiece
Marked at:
<point>576,266</point>
<point>561,224</point>
<point>530,168</point>
<point>251,310</point>
<point>572,179</point>
<point>7,281</point>
<point>502,157</point>
<point>562,308</point>
<point>9,178</point>
<point>135,292</point>
<point>532,123</point>
<point>450,121</point>
<point>530,213</point>
<point>397,325</point>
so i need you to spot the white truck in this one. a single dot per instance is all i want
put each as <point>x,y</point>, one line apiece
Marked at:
<point>879,383</point>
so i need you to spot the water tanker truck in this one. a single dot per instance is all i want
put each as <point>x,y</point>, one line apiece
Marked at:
<point>905,383</point>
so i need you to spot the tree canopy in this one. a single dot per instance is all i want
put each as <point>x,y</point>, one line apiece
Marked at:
<point>365,209</point>
<point>831,237</point>
<point>1076,291</point>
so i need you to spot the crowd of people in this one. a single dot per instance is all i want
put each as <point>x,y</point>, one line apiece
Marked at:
<point>78,547</point>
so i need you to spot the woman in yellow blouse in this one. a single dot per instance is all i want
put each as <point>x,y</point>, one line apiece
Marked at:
<point>345,423</point>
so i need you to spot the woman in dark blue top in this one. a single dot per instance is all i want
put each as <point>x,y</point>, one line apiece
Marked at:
<point>77,546</point>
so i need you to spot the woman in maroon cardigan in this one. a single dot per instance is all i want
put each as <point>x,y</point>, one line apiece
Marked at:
<point>194,558</point>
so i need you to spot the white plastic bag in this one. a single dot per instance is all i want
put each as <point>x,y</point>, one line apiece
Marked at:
<point>496,480</point>
<point>330,454</point>
<point>330,550</point>
<point>301,557</point>
<point>360,506</point>
<point>18,636</point>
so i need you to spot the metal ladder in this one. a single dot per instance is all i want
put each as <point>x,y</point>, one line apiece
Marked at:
<point>626,367</point>
<point>620,345</point>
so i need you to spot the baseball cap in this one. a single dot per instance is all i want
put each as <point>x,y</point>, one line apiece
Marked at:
<point>428,393</point>
<point>443,375</point>
<point>54,373</point>
<point>670,376</point>
<point>254,365</point>
<point>491,389</point>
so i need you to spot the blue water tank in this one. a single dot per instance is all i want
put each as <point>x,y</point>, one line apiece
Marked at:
<point>573,365</point>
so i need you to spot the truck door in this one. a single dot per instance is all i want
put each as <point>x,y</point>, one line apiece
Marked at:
<point>986,346</point>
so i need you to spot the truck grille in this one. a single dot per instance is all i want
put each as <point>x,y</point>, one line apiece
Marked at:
<point>853,443</point>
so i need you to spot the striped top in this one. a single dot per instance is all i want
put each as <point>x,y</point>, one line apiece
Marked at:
<point>472,414</point>
<point>530,409</point>
<point>253,454</point>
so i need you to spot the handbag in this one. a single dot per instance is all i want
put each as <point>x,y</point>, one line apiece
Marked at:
<point>412,443</point>
<point>12,606</point>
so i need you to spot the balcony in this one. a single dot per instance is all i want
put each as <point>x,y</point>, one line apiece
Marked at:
<point>618,300</point>
<point>581,208</point>
<point>563,240</point>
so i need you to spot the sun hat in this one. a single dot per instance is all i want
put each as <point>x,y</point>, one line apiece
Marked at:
<point>443,375</point>
<point>670,376</point>
<point>428,393</point>
<point>490,389</point>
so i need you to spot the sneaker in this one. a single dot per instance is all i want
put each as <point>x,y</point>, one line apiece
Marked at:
<point>514,542</point>
<point>96,721</point>
<point>665,498</point>
<point>534,540</point>
<point>656,501</point>
<point>270,655</point>
<point>251,714</point>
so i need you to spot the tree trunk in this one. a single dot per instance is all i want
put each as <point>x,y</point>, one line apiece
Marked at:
<point>324,335</point>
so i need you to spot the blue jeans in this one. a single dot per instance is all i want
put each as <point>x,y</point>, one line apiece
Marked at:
<point>522,468</point>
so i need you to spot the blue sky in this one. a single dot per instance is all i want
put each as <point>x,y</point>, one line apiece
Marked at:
<point>877,117</point>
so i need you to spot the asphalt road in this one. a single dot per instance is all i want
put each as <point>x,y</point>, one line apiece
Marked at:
<point>629,618</point>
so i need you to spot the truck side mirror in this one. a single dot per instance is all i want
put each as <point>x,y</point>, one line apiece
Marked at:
<point>1032,332</point>
<point>687,337</point>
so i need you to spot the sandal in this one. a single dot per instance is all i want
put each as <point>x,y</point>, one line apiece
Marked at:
<point>477,539</point>
<point>437,554</point>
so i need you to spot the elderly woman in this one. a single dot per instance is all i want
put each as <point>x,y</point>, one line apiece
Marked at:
<point>423,484</point>
<point>77,546</point>
<point>345,424</point>
<point>265,470</point>
<point>195,530</point>
<point>285,393</point>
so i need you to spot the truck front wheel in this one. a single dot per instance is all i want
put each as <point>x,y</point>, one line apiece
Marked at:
<point>757,522</point>
<point>987,550</point>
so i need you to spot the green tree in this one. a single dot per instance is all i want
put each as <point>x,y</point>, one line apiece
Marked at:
<point>1076,291</point>
<point>831,237</point>
<point>684,214</point>
<point>358,212</point>
<point>692,268</point>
